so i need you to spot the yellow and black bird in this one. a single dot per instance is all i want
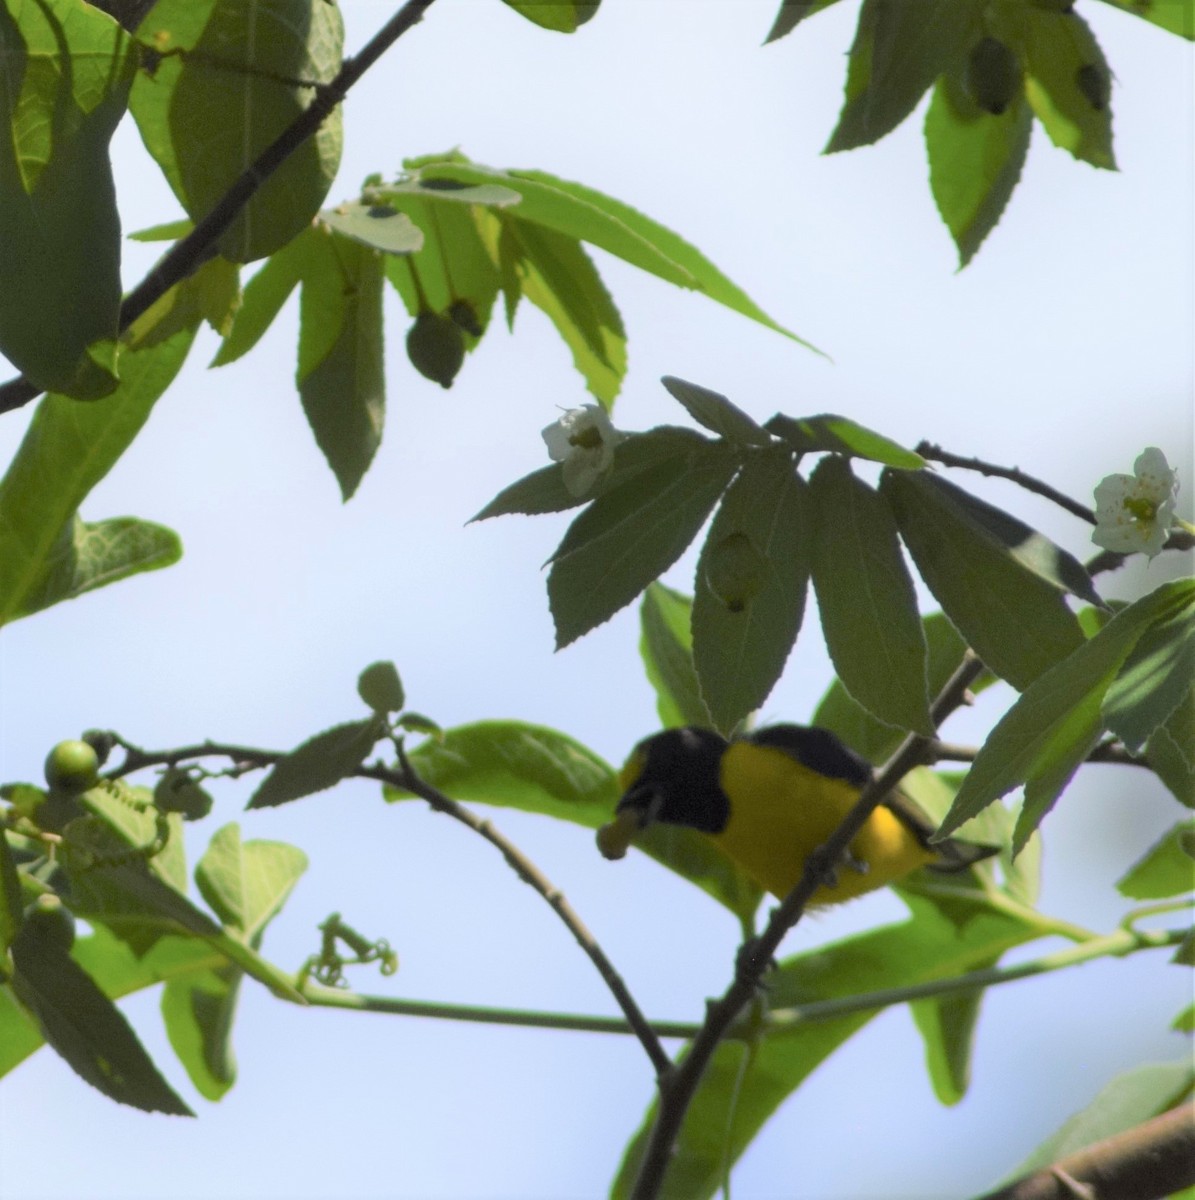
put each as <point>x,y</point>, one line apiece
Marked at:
<point>769,798</point>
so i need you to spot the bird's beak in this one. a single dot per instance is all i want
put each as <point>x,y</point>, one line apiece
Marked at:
<point>636,811</point>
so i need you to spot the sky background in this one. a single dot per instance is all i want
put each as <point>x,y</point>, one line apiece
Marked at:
<point>1065,349</point>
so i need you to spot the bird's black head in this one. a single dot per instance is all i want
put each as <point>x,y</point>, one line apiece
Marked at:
<point>674,777</point>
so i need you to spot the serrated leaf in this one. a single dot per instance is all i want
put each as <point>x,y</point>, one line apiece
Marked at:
<point>247,883</point>
<point>745,620</point>
<point>86,1028</point>
<point>631,535</point>
<point>1044,737</point>
<point>533,769</point>
<point>840,435</point>
<point>1017,622</point>
<point>344,392</point>
<point>1175,16</point>
<point>866,599</point>
<point>65,71</point>
<point>666,647</point>
<point>899,51</point>
<point>381,688</point>
<point>67,449</point>
<point>717,413</point>
<point>378,226</point>
<point>218,90</point>
<point>1171,751</point>
<point>1166,869</point>
<point>319,763</point>
<point>792,13</point>
<point>975,160</point>
<point>1154,680</point>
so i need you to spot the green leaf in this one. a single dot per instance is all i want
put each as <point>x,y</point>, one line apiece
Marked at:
<point>975,160</point>
<point>792,13</point>
<point>319,763</point>
<point>11,904</point>
<point>839,435</point>
<point>899,51</point>
<point>212,293</point>
<point>916,951</point>
<point>86,1028</point>
<point>717,413</point>
<point>198,1012</point>
<point>538,770</point>
<point>67,449</point>
<point>749,594</point>
<point>1154,680</point>
<point>866,599</point>
<point>344,393</point>
<point>380,687</point>
<point>247,883</point>
<point>1171,754</point>
<point>1016,620</point>
<point>1166,869</point>
<point>65,70</point>
<point>630,535</point>
<point>666,647</point>
<point>375,225</point>
<point>1051,729</point>
<point>561,16</point>
<point>1128,1100</point>
<point>1175,16</point>
<point>224,80</point>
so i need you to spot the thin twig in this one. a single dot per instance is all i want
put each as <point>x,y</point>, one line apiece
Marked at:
<point>1105,752</point>
<point>190,252</point>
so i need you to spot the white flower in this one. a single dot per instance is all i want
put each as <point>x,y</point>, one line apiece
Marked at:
<point>583,440</point>
<point>1135,512</point>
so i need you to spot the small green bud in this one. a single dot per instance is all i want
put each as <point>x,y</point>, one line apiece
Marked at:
<point>177,792</point>
<point>72,767</point>
<point>436,347</point>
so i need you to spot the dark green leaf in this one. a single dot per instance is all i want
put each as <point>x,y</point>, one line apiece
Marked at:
<point>11,903</point>
<point>792,13</point>
<point>375,225</point>
<point>1168,869</point>
<point>899,50</point>
<point>320,762</point>
<point>380,687</point>
<point>749,594</point>
<point>666,647</point>
<point>866,599</point>
<point>1175,16</point>
<point>226,79</point>
<point>86,1028</point>
<point>67,449</point>
<point>717,413</point>
<point>343,392</point>
<point>1171,751</point>
<point>1016,620</point>
<point>839,435</point>
<point>975,161</point>
<point>65,71</point>
<point>630,535</point>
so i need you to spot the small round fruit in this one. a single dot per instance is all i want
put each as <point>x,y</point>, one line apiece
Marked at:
<point>993,75</point>
<point>177,792</point>
<point>49,919</point>
<point>465,315</point>
<point>72,767</point>
<point>436,347</point>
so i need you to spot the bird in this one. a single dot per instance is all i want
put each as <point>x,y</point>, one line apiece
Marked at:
<point>769,798</point>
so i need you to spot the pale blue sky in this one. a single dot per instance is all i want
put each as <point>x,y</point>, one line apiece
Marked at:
<point>1065,348</point>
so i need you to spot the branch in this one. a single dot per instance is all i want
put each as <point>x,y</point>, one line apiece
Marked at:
<point>190,252</point>
<point>1149,1162</point>
<point>1105,752</point>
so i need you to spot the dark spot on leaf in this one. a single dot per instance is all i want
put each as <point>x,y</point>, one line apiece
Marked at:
<point>1094,83</point>
<point>442,185</point>
<point>381,211</point>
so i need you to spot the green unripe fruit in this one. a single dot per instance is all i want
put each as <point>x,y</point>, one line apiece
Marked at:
<point>464,315</point>
<point>49,919</point>
<point>736,571</point>
<point>993,75</point>
<point>436,347</point>
<point>177,792</point>
<point>72,767</point>
<point>1093,81</point>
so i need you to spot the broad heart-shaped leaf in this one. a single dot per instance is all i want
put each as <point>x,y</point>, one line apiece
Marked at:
<point>840,435</point>
<point>344,394</point>
<point>666,647</point>
<point>378,226</point>
<point>1167,869</point>
<point>320,762</point>
<point>1174,17</point>
<point>739,1093</point>
<point>749,594</point>
<point>1044,737</point>
<point>899,50</point>
<point>792,13</point>
<point>866,599</point>
<point>1171,751</point>
<point>1068,80</point>
<point>85,1027</point>
<point>222,81</point>
<point>65,70</point>
<point>561,16</point>
<point>717,413</point>
<point>533,769</point>
<point>67,449</point>
<point>198,1012</point>
<point>975,160</point>
<point>1155,679</point>
<point>631,535</point>
<point>1017,622</point>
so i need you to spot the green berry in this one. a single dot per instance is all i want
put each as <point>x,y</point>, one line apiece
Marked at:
<point>177,792</point>
<point>72,767</point>
<point>49,919</point>
<point>993,75</point>
<point>436,347</point>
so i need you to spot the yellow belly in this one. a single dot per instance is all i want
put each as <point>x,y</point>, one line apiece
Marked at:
<point>781,811</point>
